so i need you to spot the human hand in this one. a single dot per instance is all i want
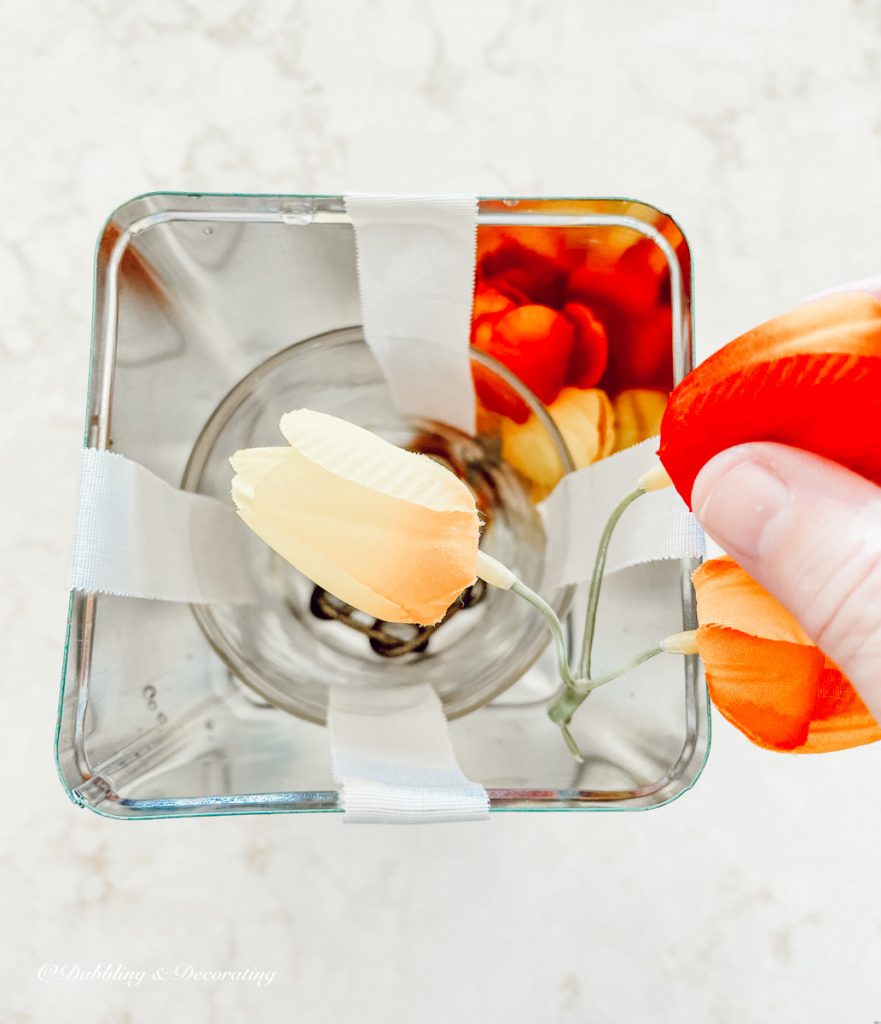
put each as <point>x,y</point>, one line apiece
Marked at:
<point>809,531</point>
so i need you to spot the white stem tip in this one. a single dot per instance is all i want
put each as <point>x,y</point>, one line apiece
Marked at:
<point>680,643</point>
<point>493,572</point>
<point>655,479</point>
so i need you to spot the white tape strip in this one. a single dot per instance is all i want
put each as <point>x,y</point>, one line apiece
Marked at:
<point>394,760</point>
<point>137,536</point>
<point>416,257</point>
<point>657,526</point>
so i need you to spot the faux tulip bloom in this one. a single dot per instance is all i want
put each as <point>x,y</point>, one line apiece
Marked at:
<point>388,531</point>
<point>590,348</point>
<point>535,343</point>
<point>587,423</point>
<point>764,673</point>
<point>560,313</point>
<point>638,415</point>
<point>810,378</point>
<point>631,283</point>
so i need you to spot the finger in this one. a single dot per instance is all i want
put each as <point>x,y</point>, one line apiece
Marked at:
<point>810,532</point>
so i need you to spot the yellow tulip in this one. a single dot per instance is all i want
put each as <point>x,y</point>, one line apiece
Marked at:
<point>638,415</point>
<point>586,421</point>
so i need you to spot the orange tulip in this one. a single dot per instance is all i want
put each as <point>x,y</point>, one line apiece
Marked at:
<point>764,673</point>
<point>810,378</point>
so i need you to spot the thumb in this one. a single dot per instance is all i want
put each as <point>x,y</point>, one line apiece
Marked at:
<point>809,531</point>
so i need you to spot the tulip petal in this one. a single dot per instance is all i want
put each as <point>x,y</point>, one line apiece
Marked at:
<point>840,719</point>
<point>535,343</point>
<point>361,457</point>
<point>764,673</point>
<point>638,415</point>
<point>729,596</point>
<point>766,688</point>
<point>590,347</point>
<point>586,421</point>
<point>810,378</point>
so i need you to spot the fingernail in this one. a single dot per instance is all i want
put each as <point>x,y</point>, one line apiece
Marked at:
<point>736,498</point>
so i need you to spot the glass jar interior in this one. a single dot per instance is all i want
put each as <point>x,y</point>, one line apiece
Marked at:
<point>289,645</point>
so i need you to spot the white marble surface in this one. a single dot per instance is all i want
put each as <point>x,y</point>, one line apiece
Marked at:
<point>757,897</point>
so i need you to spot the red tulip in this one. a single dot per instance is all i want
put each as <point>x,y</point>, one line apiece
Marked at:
<point>810,379</point>
<point>535,343</point>
<point>590,349</point>
<point>632,283</point>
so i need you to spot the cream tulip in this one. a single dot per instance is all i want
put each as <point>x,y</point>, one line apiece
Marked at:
<point>390,532</point>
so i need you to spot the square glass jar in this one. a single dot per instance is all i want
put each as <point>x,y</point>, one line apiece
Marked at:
<point>192,294</point>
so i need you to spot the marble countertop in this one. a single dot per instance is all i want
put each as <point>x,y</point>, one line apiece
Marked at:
<point>756,897</point>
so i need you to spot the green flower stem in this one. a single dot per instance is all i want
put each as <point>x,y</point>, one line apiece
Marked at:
<point>565,704</point>
<point>569,740</point>
<point>596,581</point>
<point>577,686</point>
<point>556,627</point>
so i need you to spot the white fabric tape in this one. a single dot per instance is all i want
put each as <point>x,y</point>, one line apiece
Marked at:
<point>416,257</point>
<point>394,760</point>
<point>137,536</point>
<point>657,526</point>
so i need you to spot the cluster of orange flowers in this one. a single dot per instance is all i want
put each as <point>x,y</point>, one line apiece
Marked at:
<point>587,327</point>
<point>588,330</point>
